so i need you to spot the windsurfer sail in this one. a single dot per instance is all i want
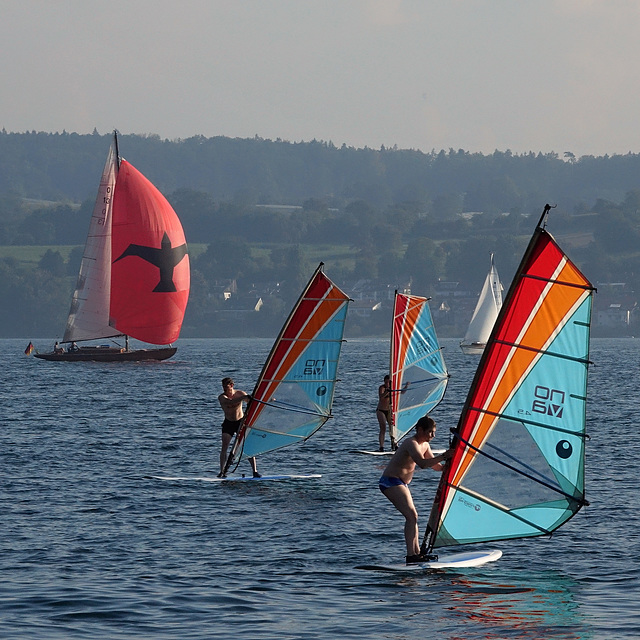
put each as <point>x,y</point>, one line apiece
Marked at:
<point>294,393</point>
<point>134,276</point>
<point>518,464</point>
<point>419,375</point>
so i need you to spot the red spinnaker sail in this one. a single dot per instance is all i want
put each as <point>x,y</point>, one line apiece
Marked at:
<point>150,266</point>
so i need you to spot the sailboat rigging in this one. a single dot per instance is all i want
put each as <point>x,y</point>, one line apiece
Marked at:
<point>519,447</point>
<point>484,315</point>
<point>134,277</point>
<point>419,376</point>
<point>294,393</point>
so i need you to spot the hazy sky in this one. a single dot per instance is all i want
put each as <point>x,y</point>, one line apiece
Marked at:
<point>478,75</point>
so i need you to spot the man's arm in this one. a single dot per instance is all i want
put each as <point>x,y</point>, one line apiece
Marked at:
<point>435,462</point>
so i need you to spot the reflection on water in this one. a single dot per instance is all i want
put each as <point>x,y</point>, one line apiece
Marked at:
<point>521,605</point>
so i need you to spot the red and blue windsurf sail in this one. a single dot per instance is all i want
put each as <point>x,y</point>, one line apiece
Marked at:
<point>294,393</point>
<point>518,464</point>
<point>419,375</point>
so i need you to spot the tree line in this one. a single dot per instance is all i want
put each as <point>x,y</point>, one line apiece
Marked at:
<point>403,216</point>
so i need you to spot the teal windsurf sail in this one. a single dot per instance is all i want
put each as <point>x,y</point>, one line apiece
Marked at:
<point>419,375</point>
<point>294,393</point>
<point>519,447</point>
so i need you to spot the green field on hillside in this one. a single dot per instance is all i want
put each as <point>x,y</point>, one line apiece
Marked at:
<point>338,256</point>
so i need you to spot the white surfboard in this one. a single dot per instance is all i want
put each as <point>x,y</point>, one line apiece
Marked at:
<point>453,561</point>
<point>237,478</point>
<point>372,453</point>
<point>435,452</point>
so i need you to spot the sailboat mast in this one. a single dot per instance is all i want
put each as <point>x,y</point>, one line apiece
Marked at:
<point>115,143</point>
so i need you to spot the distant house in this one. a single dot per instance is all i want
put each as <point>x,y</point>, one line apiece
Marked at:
<point>241,306</point>
<point>615,305</point>
<point>613,315</point>
<point>223,289</point>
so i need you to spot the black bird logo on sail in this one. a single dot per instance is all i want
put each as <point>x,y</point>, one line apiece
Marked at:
<point>167,258</point>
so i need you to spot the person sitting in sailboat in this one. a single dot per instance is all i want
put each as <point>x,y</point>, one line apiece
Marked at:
<point>395,479</point>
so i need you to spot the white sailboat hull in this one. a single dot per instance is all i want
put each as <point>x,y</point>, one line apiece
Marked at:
<point>474,349</point>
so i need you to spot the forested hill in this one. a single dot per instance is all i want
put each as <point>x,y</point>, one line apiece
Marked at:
<point>260,214</point>
<point>65,166</point>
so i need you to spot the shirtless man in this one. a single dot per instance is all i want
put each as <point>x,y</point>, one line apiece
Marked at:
<point>383,413</point>
<point>231,402</point>
<point>399,472</point>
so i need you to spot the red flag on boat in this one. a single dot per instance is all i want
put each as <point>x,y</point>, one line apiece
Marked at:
<point>29,350</point>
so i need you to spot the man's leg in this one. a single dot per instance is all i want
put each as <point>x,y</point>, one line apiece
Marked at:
<point>226,439</point>
<point>382,421</point>
<point>400,497</point>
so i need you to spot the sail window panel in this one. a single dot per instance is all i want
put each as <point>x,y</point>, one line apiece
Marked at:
<point>424,346</point>
<point>283,423</point>
<point>417,386</point>
<point>304,398</point>
<point>470,519</point>
<point>508,478</point>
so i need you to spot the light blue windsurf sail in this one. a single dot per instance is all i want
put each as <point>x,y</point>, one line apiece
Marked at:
<point>294,393</point>
<point>419,375</point>
<point>519,448</point>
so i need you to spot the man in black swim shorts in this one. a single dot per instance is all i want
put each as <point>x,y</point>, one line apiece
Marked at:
<point>231,402</point>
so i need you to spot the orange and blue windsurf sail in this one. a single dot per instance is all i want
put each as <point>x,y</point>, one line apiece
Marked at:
<point>419,375</point>
<point>518,465</point>
<point>294,393</point>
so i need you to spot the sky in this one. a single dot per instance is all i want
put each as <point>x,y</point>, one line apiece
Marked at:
<point>478,75</point>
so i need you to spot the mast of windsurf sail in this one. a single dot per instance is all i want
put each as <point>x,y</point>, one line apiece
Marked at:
<point>294,393</point>
<point>392,405</point>
<point>529,390</point>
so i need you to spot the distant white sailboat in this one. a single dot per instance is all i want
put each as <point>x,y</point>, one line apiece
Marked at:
<point>485,314</point>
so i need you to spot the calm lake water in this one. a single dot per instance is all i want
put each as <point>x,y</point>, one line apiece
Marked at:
<point>92,547</point>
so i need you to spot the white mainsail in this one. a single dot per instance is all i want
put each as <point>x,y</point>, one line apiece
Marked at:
<point>485,314</point>
<point>89,313</point>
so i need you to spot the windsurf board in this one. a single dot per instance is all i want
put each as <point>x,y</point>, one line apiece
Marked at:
<point>237,478</point>
<point>435,452</point>
<point>453,561</point>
